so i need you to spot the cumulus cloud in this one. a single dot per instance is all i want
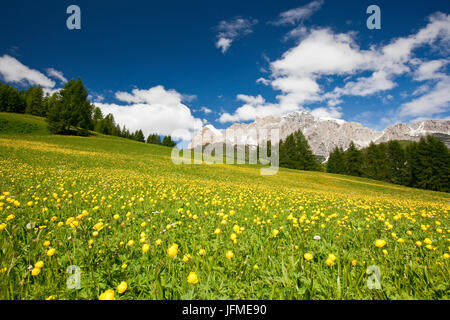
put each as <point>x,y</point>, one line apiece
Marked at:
<point>14,71</point>
<point>230,30</point>
<point>364,72</point>
<point>327,113</point>
<point>434,99</point>
<point>56,75</point>
<point>155,110</point>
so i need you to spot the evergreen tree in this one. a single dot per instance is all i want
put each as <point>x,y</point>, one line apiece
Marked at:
<point>168,142</point>
<point>74,110</point>
<point>35,101</point>
<point>354,160</point>
<point>97,118</point>
<point>295,153</point>
<point>139,136</point>
<point>396,160</point>
<point>336,161</point>
<point>154,139</point>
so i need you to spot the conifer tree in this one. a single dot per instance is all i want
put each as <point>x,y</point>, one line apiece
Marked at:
<point>354,160</point>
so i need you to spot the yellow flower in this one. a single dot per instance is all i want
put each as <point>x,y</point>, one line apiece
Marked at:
<point>354,262</point>
<point>192,278</point>
<point>107,295</point>
<point>122,287</point>
<point>130,243</point>
<point>46,243</point>
<point>98,226</point>
<point>50,252</point>
<point>255,267</point>
<point>145,248</point>
<point>385,251</point>
<point>308,256</point>
<point>275,232</point>
<point>329,262</point>
<point>380,243</point>
<point>116,217</point>
<point>400,240</point>
<point>229,254</point>
<point>233,236</point>
<point>173,250</point>
<point>50,298</point>
<point>158,242</point>
<point>217,231</point>
<point>39,264</point>
<point>95,233</point>
<point>419,243</point>
<point>124,266</point>
<point>427,241</point>
<point>446,256</point>
<point>202,252</point>
<point>186,257</point>
<point>2,226</point>
<point>332,257</point>
<point>35,271</point>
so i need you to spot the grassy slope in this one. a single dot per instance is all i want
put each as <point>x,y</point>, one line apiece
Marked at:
<point>33,162</point>
<point>27,136</point>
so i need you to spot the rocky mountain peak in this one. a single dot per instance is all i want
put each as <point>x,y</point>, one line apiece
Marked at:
<point>323,135</point>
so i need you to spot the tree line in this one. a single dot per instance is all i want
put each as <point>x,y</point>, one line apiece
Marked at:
<point>424,164</point>
<point>69,111</point>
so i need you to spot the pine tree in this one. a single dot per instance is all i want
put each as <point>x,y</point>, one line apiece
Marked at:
<point>396,160</point>
<point>168,142</point>
<point>140,136</point>
<point>336,161</point>
<point>354,160</point>
<point>295,153</point>
<point>74,110</point>
<point>35,101</point>
<point>154,139</point>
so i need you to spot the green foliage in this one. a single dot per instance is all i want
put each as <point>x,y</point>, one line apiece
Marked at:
<point>353,160</point>
<point>336,162</point>
<point>168,142</point>
<point>295,153</point>
<point>35,105</point>
<point>154,139</point>
<point>72,110</point>
<point>424,164</point>
<point>11,100</point>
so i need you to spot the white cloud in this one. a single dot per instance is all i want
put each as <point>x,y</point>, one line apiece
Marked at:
<point>205,110</point>
<point>155,110</point>
<point>13,70</point>
<point>436,101</point>
<point>56,75</point>
<point>230,30</point>
<point>223,44</point>
<point>428,70</point>
<point>327,113</point>
<point>298,15</point>
<point>322,54</point>
<point>263,81</point>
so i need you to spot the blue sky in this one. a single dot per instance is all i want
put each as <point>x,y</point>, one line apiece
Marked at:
<point>162,66</point>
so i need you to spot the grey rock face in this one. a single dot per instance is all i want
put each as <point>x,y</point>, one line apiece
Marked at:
<point>323,135</point>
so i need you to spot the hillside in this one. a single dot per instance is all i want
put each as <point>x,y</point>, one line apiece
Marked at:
<point>129,188</point>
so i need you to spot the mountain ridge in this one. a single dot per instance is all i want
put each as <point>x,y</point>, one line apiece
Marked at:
<point>322,134</point>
